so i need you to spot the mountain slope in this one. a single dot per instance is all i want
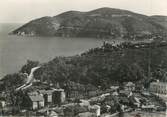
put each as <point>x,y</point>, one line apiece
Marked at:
<point>162,20</point>
<point>99,23</point>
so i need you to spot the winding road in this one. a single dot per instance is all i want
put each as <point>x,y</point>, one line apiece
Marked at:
<point>30,79</point>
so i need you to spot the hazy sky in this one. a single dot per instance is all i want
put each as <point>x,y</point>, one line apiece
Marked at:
<point>26,10</point>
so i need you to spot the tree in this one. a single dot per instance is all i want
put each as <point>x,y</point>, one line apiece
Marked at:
<point>12,81</point>
<point>28,66</point>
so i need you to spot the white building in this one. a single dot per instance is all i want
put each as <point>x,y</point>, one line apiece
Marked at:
<point>158,87</point>
<point>36,101</point>
<point>130,86</point>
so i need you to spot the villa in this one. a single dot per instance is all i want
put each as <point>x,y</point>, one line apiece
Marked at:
<point>158,87</point>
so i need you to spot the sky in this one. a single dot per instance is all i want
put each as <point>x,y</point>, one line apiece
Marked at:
<point>22,11</point>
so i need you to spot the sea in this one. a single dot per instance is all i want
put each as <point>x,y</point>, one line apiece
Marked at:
<point>16,50</point>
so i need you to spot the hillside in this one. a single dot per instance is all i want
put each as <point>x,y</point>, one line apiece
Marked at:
<point>162,20</point>
<point>102,66</point>
<point>109,64</point>
<point>99,23</point>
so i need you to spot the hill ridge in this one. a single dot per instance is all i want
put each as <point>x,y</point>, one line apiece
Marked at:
<point>103,22</point>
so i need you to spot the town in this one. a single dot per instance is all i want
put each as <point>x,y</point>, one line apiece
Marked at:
<point>73,99</point>
<point>83,100</point>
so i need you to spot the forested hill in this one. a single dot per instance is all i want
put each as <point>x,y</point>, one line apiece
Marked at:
<point>99,23</point>
<point>104,66</point>
<point>109,64</point>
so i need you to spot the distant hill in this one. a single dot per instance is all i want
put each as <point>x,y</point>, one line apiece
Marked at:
<point>162,20</point>
<point>99,23</point>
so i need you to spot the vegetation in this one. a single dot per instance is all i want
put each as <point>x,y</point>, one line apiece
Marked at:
<point>11,81</point>
<point>102,66</point>
<point>107,64</point>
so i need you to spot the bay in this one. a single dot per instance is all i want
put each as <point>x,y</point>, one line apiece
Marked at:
<point>16,50</point>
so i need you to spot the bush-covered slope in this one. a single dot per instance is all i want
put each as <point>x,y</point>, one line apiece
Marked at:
<point>103,66</point>
<point>108,64</point>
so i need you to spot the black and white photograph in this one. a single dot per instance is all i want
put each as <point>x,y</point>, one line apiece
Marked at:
<point>83,58</point>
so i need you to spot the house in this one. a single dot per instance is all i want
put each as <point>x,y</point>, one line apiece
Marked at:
<point>110,100</point>
<point>36,101</point>
<point>124,100</point>
<point>158,87</point>
<point>115,93</point>
<point>130,86</point>
<point>95,109</point>
<point>124,92</point>
<point>2,99</point>
<point>47,95</point>
<point>58,96</point>
<point>2,102</point>
<point>41,98</point>
<point>53,96</point>
<point>114,88</point>
<point>148,107</point>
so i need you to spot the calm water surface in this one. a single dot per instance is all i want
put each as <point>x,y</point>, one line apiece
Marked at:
<point>16,50</point>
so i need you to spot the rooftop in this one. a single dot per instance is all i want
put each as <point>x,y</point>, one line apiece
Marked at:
<point>36,98</point>
<point>33,93</point>
<point>58,89</point>
<point>46,91</point>
<point>159,83</point>
<point>130,84</point>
